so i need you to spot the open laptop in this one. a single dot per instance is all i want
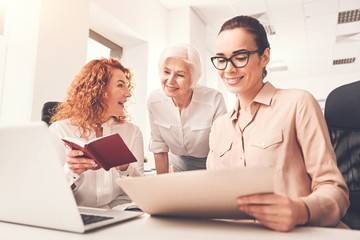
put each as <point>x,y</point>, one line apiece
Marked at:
<point>198,194</point>
<point>33,187</point>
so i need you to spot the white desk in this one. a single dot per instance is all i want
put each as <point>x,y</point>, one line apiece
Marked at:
<point>146,227</point>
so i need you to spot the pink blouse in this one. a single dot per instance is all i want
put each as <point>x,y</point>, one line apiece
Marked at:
<point>288,133</point>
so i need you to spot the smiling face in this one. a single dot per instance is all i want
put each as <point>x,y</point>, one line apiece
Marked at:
<point>175,78</point>
<point>117,91</point>
<point>247,80</point>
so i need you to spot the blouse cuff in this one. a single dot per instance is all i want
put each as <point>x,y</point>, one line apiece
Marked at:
<point>74,179</point>
<point>128,172</point>
<point>314,210</point>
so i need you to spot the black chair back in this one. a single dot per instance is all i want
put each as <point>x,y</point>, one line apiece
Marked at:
<point>342,115</point>
<point>48,111</point>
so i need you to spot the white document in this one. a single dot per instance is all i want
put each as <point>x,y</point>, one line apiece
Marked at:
<point>200,193</point>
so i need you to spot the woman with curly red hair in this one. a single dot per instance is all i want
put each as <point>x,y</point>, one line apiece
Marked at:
<point>95,106</point>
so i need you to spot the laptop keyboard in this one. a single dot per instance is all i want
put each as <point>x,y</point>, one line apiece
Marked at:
<point>88,219</point>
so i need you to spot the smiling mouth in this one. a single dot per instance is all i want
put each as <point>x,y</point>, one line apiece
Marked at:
<point>121,103</point>
<point>232,81</point>
<point>171,88</point>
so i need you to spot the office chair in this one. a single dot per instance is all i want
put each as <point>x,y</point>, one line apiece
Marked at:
<point>342,115</point>
<point>48,111</point>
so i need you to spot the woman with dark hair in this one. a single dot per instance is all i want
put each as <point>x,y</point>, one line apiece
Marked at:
<point>95,106</point>
<point>281,129</point>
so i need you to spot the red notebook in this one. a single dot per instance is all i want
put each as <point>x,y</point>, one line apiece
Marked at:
<point>108,151</point>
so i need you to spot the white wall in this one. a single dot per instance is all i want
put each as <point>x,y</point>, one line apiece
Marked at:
<point>61,50</point>
<point>186,26</point>
<point>3,49</point>
<point>46,46</point>
<point>2,16</point>
<point>20,33</point>
<point>319,86</point>
<point>179,25</point>
<point>137,58</point>
<point>197,33</point>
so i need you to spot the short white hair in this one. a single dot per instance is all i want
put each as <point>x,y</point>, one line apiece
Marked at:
<point>186,52</point>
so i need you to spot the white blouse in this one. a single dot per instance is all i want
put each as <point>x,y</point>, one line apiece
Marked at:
<point>186,134</point>
<point>98,188</point>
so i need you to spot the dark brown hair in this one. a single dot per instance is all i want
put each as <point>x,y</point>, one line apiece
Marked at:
<point>253,26</point>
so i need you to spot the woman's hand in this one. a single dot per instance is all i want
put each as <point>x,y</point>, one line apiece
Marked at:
<point>78,163</point>
<point>122,167</point>
<point>275,211</point>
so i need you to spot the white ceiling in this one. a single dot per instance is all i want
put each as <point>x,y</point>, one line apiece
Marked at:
<point>307,37</point>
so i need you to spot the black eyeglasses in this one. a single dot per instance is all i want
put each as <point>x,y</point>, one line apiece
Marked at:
<point>238,60</point>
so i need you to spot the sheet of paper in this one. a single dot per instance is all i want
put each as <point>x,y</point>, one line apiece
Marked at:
<point>201,193</point>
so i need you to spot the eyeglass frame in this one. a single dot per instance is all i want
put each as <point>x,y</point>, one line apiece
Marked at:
<point>229,59</point>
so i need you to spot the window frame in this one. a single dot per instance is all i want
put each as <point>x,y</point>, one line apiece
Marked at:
<point>115,50</point>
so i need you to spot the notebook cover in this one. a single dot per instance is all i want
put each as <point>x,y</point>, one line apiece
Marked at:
<point>109,151</point>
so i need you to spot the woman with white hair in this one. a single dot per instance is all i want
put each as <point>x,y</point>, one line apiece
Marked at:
<point>182,112</point>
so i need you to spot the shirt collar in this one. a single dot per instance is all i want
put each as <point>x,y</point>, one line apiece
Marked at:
<point>110,122</point>
<point>264,96</point>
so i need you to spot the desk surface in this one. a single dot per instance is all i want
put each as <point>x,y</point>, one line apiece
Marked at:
<point>146,227</point>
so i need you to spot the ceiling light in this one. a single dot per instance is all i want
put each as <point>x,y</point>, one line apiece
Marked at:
<point>349,16</point>
<point>278,69</point>
<point>265,21</point>
<point>355,37</point>
<point>343,61</point>
<point>269,29</point>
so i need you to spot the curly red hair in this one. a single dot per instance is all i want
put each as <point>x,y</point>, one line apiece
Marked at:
<point>85,102</point>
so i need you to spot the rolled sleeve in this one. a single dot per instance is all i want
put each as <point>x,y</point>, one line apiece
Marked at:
<point>326,206</point>
<point>158,147</point>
